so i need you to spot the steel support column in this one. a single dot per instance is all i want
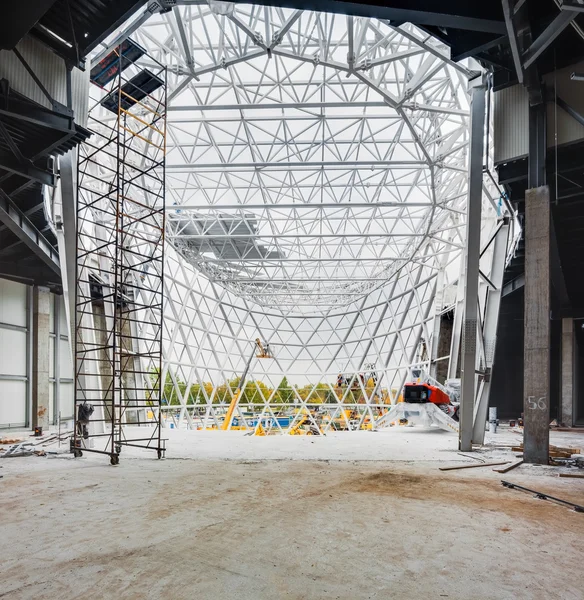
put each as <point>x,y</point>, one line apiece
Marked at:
<point>567,394</point>
<point>537,145</point>
<point>66,222</point>
<point>473,250</point>
<point>489,332</point>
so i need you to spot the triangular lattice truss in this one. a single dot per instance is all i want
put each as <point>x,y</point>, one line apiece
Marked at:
<point>317,171</point>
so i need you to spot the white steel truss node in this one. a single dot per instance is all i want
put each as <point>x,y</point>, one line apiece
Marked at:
<point>316,198</point>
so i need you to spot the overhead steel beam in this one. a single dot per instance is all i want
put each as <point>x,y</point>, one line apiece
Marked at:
<point>306,106</point>
<point>550,33</point>
<point>514,284</point>
<point>35,114</point>
<point>512,35</point>
<point>290,205</point>
<point>352,164</point>
<point>574,5</point>
<point>419,15</point>
<point>569,110</point>
<point>292,236</point>
<point>27,233</point>
<point>153,8</point>
<point>246,261</point>
<point>277,105</point>
<point>10,163</point>
<point>20,272</point>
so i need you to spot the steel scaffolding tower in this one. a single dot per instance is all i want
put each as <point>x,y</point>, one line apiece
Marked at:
<point>120,258</point>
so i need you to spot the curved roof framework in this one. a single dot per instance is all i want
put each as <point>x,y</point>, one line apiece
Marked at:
<point>316,198</point>
<point>312,155</point>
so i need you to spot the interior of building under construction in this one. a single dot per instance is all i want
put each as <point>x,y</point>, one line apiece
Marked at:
<point>288,287</point>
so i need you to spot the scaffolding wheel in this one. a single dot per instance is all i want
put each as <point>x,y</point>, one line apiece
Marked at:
<point>115,459</point>
<point>159,453</point>
<point>77,453</point>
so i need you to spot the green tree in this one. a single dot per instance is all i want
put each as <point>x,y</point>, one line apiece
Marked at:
<point>285,393</point>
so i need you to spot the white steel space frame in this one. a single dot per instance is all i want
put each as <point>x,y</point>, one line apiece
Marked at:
<point>319,169</point>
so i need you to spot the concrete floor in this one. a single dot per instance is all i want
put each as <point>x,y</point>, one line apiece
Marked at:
<point>296,524</point>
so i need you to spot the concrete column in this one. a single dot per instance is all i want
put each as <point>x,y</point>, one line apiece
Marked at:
<point>536,382</point>
<point>567,405</point>
<point>40,357</point>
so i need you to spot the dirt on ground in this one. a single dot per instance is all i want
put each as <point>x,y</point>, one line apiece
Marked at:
<point>222,529</point>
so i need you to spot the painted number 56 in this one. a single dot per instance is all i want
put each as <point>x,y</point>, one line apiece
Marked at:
<point>533,404</point>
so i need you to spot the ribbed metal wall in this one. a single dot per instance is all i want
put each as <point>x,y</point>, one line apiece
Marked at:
<point>511,115</point>
<point>511,119</point>
<point>47,66</point>
<point>51,71</point>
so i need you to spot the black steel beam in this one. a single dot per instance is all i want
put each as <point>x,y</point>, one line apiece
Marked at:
<point>461,16</point>
<point>556,271</point>
<point>514,284</point>
<point>25,110</point>
<point>508,12</point>
<point>21,17</point>
<point>550,33</point>
<point>572,5</point>
<point>537,146</point>
<point>27,272</point>
<point>25,169</point>
<point>568,109</point>
<point>27,233</point>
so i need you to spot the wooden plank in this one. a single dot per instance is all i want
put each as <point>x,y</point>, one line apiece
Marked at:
<point>491,464</point>
<point>506,469</point>
<point>572,475</point>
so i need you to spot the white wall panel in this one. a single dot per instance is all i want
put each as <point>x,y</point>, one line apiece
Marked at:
<point>65,367</point>
<point>12,403</point>
<point>12,303</point>
<point>51,356</point>
<point>12,352</point>
<point>66,392</point>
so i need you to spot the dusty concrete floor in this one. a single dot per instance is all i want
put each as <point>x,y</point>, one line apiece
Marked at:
<point>303,529</point>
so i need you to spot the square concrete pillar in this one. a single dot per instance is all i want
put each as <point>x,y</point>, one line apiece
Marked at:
<point>536,382</point>
<point>567,403</point>
<point>40,357</point>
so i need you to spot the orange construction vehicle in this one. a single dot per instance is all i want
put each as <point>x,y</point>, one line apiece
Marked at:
<point>420,393</point>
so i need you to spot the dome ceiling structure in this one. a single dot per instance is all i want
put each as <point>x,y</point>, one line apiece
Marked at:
<point>310,156</point>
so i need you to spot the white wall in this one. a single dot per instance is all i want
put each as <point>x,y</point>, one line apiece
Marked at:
<point>60,367</point>
<point>13,354</point>
<point>15,368</point>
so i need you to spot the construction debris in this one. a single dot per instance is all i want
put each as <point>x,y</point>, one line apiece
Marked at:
<point>542,496</point>
<point>507,469</point>
<point>555,451</point>
<point>474,466</point>
<point>21,448</point>
<point>572,475</point>
<point>4,441</point>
